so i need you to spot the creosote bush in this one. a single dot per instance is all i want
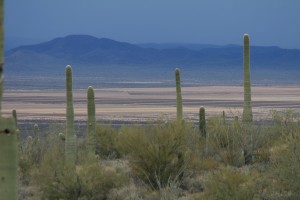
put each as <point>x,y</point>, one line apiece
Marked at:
<point>106,142</point>
<point>231,184</point>
<point>90,181</point>
<point>157,153</point>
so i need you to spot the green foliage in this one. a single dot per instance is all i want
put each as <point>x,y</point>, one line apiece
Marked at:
<point>91,121</point>
<point>156,153</point>
<point>178,96</point>
<point>230,184</point>
<point>284,168</point>
<point>107,142</point>
<point>225,141</point>
<point>92,181</point>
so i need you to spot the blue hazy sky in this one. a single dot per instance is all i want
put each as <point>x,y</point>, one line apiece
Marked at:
<point>269,22</point>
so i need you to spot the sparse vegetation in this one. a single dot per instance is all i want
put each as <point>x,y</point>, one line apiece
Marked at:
<point>230,159</point>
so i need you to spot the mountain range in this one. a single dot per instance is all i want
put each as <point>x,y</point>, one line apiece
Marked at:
<point>91,51</point>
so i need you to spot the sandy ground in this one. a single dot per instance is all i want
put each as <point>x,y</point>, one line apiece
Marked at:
<point>144,104</point>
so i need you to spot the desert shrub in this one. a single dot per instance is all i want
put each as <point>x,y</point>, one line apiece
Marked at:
<point>231,184</point>
<point>156,152</point>
<point>106,142</point>
<point>284,168</point>
<point>230,141</point>
<point>225,141</point>
<point>31,152</point>
<point>90,181</point>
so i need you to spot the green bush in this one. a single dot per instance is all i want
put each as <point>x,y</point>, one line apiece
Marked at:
<point>90,181</point>
<point>225,141</point>
<point>230,184</point>
<point>156,152</point>
<point>284,168</point>
<point>106,142</point>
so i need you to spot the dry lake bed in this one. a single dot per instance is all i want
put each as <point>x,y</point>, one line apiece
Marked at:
<point>146,104</point>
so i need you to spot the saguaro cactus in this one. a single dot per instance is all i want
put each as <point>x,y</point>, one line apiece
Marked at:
<point>8,136</point>
<point>91,125</point>
<point>178,96</point>
<point>202,122</point>
<point>247,111</point>
<point>70,144</point>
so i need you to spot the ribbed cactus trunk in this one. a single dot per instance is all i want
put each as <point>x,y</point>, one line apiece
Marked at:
<point>202,122</point>
<point>247,111</point>
<point>91,124</point>
<point>8,136</point>
<point>70,144</point>
<point>178,96</point>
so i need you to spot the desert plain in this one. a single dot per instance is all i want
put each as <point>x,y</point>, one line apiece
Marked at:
<point>139,105</point>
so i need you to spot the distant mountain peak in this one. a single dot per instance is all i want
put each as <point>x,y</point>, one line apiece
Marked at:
<point>90,50</point>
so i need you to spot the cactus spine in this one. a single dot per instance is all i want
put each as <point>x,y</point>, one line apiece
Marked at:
<point>202,122</point>
<point>91,125</point>
<point>178,96</point>
<point>70,144</point>
<point>247,111</point>
<point>8,136</point>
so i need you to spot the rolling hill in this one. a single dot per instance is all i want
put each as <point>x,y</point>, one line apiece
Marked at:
<point>92,51</point>
<point>107,63</point>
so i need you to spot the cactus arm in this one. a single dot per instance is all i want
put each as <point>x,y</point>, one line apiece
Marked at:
<point>91,126</point>
<point>178,96</point>
<point>70,144</point>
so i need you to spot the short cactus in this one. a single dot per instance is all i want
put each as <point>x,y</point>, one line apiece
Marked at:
<point>14,114</point>
<point>36,131</point>
<point>62,136</point>
<point>224,117</point>
<point>202,122</point>
<point>178,96</point>
<point>91,123</point>
<point>70,144</point>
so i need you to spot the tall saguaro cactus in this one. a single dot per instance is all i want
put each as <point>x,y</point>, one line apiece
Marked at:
<point>8,136</point>
<point>178,96</point>
<point>91,125</point>
<point>247,111</point>
<point>70,144</point>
